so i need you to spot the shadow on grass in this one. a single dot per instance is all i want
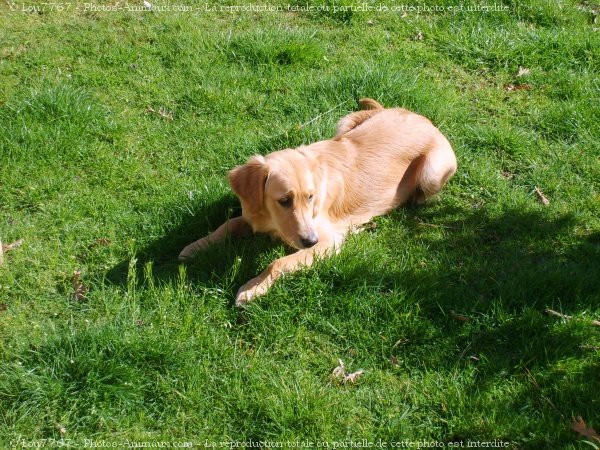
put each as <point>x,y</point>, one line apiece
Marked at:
<point>523,258</point>
<point>520,258</point>
<point>209,267</point>
<point>213,267</point>
<point>502,270</point>
<point>520,262</point>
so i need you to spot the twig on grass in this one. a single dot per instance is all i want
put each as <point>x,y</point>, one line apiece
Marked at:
<point>300,126</point>
<point>468,347</point>
<point>434,225</point>
<point>589,347</point>
<point>551,312</point>
<point>322,114</point>
<point>557,314</point>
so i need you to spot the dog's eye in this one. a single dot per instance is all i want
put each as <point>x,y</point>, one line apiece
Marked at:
<point>285,202</point>
<point>310,197</point>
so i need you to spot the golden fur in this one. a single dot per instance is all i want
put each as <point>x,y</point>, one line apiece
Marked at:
<point>313,196</point>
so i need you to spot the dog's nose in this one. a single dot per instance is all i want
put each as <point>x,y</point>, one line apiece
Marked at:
<point>310,240</point>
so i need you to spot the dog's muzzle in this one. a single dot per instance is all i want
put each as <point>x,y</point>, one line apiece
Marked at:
<point>310,240</point>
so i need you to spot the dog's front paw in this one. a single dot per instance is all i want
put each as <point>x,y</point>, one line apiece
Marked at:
<point>250,290</point>
<point>190,250</point>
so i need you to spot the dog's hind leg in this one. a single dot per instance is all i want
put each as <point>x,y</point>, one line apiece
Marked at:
<point>436,169</point>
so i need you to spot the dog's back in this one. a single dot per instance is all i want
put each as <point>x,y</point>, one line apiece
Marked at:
<point>388,157</point>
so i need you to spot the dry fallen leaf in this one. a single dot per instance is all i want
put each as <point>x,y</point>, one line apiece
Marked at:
<point>100,241</point>
<point>418,36</point>
<point>79,290</point>
<point>340,370</point>
<point>541,197</point>
<point>97,243</point>
<point>523,71</point>
<point>352,377</point>
<point>459,317</point>
<point>4,248</point>
<point>370,226</point>
<point>162,112</point>
<point>340,373</point>
<point>508,175</point>
<point>12,245</point>
<point>516,87</point>
<point>566,317</point>
<point>580,427</point>
<point>11,52</point>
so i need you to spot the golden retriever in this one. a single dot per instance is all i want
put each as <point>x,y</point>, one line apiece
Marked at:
<point>313,196</point>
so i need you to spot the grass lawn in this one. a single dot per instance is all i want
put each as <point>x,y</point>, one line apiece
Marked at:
<point>116,131</point>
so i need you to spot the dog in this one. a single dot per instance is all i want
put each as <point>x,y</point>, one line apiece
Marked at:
<point>313,196</point>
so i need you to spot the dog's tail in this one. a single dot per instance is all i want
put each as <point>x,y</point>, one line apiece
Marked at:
<point>369,108</point>
<point>369,103</point>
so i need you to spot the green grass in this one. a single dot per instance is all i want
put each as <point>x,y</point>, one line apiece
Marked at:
<point>93,180</point>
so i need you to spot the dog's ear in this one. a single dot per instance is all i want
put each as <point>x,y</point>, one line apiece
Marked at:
<point>248,182</point>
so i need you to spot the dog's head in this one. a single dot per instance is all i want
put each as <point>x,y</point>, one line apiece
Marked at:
<point>281,194</point>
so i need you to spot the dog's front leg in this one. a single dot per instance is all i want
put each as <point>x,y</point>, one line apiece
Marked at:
<point>235,227</point>
<point>291,263</point>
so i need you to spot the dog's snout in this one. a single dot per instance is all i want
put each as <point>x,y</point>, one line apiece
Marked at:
<point>310,240</point>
